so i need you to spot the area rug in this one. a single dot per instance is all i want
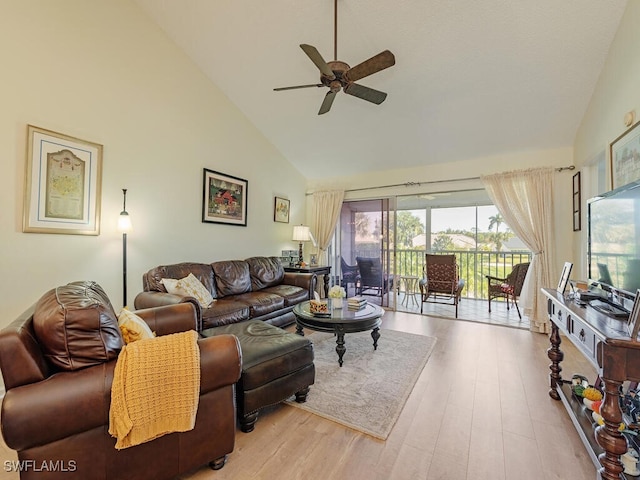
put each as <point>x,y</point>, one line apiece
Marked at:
<point>369,391</point>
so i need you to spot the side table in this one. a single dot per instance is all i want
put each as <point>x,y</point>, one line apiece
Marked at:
<point>410,289</point>
<point>324,270</point>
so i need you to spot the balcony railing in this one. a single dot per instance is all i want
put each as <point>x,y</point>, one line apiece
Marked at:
<point>474,266</point>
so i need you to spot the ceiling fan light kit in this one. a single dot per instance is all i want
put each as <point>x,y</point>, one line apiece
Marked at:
<point>338,75</point>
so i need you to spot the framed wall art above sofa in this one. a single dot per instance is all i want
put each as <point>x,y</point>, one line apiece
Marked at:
<point>224,199</point>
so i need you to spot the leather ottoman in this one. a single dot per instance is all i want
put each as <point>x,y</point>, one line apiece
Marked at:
<point>275,365</point>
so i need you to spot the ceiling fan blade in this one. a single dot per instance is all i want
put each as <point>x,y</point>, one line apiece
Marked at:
<point>316,58</point>
<point>365,93</point>
<point>298,86</point>
<point>373,65</point>
<point>327,102</point>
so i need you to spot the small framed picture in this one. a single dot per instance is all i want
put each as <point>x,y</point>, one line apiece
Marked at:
<point>633,324</point>
<point>281,210</point>
<point>564,277</point>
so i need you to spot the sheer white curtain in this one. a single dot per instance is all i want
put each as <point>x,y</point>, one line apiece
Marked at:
<point>525,200</point>
<point>326,212</point>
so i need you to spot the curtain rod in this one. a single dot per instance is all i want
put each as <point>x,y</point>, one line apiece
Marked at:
<point>417,184</point>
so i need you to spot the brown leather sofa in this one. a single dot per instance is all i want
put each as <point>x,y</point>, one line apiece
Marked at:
<point>257,288</point>
<point>57,361</point>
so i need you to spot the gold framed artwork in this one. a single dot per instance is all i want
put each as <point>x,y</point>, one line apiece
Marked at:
<point>224,199</point>
<point>281,210</point>
<point>62,184</point>
<point>624,154</point>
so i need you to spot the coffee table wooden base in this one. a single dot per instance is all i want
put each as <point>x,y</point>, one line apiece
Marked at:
<point>340,348</point>
<point>341,324</point>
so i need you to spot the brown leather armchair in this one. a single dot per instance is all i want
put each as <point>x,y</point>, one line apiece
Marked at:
<point>59,417</point>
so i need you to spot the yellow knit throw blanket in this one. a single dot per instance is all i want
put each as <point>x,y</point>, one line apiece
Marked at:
<point>156,388</point>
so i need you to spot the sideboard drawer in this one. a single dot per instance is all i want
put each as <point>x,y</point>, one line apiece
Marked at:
<point>582,336</point>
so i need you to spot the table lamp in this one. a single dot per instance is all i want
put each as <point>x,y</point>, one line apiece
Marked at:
<point>302,233</point>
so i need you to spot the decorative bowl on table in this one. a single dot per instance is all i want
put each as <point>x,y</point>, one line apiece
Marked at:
<point>319,307</point>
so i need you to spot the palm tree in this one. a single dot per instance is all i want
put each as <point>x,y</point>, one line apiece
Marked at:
<point>496,220</point>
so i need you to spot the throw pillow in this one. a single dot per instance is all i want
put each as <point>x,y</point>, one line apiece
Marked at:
<point>189,286</point>
<point>171,284</point>
<point>133,328</point>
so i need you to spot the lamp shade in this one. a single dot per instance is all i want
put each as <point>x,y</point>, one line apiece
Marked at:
<point>301,233</point>
<point>124,223</point>
<point>124,220</point>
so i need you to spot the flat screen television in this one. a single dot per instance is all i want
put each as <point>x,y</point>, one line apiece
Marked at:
<point>614,242</point>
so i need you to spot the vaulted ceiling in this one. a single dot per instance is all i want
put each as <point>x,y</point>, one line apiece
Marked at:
<point>473,78</point>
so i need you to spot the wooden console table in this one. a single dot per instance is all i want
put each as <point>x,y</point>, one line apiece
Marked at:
<point>317,269</point>
<point>605,342</point>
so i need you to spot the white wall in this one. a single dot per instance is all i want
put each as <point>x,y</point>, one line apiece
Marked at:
<point>617,92</point>
<point>441,174</point>
<point>100,71</point>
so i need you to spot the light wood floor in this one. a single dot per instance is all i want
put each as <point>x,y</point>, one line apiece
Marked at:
<point>480,410</point>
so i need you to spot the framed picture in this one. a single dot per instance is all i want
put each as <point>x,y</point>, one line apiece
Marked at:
<point>281,210</point>
<point>633,324</point>
<point>63,182</point>
<point>625,157</point>
<point>564,277</point>
<point>577,200</point>
<point>224,199</point>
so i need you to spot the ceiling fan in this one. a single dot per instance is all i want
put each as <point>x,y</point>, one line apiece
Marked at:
<point>338,75</point>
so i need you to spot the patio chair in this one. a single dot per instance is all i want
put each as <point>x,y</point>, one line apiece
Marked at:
<point>350,274</point>
<point>442,283</point>
<point>509,287</point>
<point>372,278</point>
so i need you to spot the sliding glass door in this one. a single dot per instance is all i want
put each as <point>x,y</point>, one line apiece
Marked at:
<point>391,236</point>
<point>364,238</point>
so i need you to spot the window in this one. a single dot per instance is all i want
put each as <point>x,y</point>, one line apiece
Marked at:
<point>464,223</point>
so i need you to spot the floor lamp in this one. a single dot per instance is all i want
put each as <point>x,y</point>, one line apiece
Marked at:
<point>124,226</point>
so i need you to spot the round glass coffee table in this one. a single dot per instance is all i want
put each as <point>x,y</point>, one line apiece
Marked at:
<point>341,321</point>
